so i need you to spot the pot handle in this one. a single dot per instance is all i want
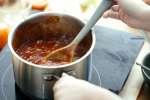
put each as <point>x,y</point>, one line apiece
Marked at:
<point>50,77</point>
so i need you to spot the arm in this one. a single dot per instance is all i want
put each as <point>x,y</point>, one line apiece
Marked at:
<point>98,93</point>
<point>136,8</point>
<point>134,13</point>
<point>70,88</point>
<point>147,2</point>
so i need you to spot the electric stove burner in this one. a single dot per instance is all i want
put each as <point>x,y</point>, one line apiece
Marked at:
<point>10,91</point>
<point>93,72</point>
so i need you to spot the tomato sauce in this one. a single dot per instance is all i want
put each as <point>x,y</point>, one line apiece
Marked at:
<point>35,51</point>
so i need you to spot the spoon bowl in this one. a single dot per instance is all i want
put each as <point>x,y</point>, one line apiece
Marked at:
<point>66,53</point>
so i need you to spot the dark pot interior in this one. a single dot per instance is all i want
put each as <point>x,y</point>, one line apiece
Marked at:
<point>146,73</point>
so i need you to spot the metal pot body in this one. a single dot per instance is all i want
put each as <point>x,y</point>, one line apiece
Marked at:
<point>36,80</point>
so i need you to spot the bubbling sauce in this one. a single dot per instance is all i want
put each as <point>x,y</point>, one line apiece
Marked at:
<point>35,51</point>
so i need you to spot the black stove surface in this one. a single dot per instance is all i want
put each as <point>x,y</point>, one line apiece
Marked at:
<point>110,63</point>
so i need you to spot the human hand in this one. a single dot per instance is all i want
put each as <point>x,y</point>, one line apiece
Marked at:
<point>117,12</point>
<point>2,2</point>
<point>70,88</point>
<point>126,12</point>
<point>147,1</point>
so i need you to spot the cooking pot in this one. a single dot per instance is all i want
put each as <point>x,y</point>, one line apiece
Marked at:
<point>37,80</point>
<point>145,72</point>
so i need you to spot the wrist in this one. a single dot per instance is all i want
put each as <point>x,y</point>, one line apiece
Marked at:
<point>93,94</point>
<point>98,93</point>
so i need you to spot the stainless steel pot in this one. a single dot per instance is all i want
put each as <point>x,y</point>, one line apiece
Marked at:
<point>37,80</point>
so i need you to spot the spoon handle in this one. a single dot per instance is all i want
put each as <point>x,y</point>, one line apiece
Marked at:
<point>104,5</point>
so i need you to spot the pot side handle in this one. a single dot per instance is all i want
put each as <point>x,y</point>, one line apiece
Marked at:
<point>51,77</point>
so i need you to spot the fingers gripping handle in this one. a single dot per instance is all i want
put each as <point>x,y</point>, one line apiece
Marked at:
<point>51,77</point>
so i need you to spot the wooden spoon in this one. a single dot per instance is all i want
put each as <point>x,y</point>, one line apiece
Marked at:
<point>65,54</point>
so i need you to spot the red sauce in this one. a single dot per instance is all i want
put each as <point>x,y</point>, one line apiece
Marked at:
<point>35,51</point>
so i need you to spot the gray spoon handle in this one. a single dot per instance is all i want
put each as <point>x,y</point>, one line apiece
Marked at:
<point>104,5</point>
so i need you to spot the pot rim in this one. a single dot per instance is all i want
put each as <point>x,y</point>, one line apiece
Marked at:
<point>10,38</point>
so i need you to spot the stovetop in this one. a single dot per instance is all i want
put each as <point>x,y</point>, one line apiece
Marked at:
<point>8,88</point>
<point>109,67</point>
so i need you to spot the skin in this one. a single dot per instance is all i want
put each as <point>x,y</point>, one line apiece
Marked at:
<point>70,88</point>
<point>2,2</point>
<point>126,12</point>
<point>147,2</point>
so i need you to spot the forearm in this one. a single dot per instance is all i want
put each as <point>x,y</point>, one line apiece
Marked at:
<point>136,8</point>
<point>98,93</point>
